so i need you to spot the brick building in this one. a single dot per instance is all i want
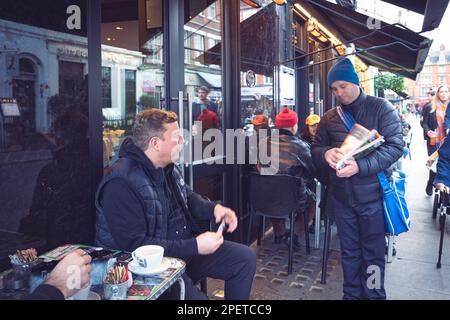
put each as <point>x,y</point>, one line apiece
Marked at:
<point>435,72</point>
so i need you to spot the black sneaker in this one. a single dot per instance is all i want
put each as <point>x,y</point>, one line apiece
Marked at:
<point>429,189</point>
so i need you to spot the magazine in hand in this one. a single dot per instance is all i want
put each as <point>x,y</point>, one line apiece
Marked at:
<point>359,143</point>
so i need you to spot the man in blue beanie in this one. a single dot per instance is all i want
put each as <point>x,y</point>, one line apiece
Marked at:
<point>354,198</point>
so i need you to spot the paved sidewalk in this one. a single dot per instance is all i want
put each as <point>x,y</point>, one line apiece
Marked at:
<point>411,275</point>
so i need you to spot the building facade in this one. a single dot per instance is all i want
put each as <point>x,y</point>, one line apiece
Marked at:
<point>436,72</point>
<point>78,77</point>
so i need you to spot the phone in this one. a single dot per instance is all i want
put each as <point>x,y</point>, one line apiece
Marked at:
<point>221,227</point>
<point>44,266</point>
<point>103,254</point>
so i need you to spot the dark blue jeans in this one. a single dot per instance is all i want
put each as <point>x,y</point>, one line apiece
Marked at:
<point>232,262</point>
<point>361,232</point>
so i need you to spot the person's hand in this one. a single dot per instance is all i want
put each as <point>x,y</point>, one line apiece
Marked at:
<point>194,130</point>
<point>221,212</point>
<point>351,168</point>
<point>442,187</point>
<point>332,157</point>
<point>429,163</point>
<point>209,242</point>
<point>71,274</point>
<point>431,134</point>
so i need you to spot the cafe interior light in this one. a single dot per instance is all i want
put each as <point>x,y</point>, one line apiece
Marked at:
<point>302,11</point>
<point>279,2</point>
<point>252,3</point>
<point>322,38</point>
<point>310,26</point>
<point>318,30</point>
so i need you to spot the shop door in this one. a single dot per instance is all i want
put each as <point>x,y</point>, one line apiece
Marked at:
<point>200,105</point>
<point>24,93</point>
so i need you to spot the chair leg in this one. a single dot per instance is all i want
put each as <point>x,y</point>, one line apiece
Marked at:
<point>390,248</point>
<point>441,242</point>
<point>326,245</point>
<point>260,230</point>
<point>204,285</point>
<point>263,236</point>
<point>305,219</point>
<point>291,242</point>
<point>249,232</point>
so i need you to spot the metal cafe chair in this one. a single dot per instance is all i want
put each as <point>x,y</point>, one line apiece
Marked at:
<point>274,196</point>
<point>326,249</point>
<point>443,210</point>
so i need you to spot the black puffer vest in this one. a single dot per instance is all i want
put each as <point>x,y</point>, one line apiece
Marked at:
<point>148,184</point>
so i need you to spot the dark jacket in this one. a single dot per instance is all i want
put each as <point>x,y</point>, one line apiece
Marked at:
<point>429,121</point>
<point>294,159</point>
<point>372,113</point>
<point>45,292</point>
<point>133,205</point>
<point>305,135</point>
<point>443,165</point>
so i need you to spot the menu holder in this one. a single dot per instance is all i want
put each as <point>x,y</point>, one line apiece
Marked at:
<point>9,108</point>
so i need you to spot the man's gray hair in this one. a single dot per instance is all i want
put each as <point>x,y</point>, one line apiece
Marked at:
<point>204,88</point>
<point>150,123</point>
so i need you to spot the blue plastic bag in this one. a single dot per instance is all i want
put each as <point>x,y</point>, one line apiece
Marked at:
<point>396,213</point>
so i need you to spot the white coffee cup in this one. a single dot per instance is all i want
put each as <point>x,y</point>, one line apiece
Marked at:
<point>148,257</point>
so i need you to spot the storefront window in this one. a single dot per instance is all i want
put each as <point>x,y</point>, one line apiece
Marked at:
<point>106,87</point>
<point>258,49</point>
<point>130,93</point>
<point>44,149</point>
<point>203,74</point>
<point>132,51</point>
<point>203,82</point>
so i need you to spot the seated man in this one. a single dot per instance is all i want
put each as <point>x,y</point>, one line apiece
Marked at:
<point>294,159</point>
<point>144,200</point>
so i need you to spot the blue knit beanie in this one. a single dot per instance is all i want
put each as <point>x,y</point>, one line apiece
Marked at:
<point>343,70</point>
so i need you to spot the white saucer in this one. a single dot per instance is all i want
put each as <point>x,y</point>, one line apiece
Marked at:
<point>133,267</point>
<point>93,296</point>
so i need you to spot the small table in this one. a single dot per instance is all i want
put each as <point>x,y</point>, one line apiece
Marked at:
<point>143,287</point>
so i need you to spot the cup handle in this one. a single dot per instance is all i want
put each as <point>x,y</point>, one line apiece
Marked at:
<point>142,262</point>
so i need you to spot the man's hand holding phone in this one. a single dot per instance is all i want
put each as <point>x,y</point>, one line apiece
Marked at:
<point>221,227</point>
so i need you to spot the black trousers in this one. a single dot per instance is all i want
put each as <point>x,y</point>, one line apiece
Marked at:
<point>361,232</point>
<point>431,149</point>
<point>232,262</point>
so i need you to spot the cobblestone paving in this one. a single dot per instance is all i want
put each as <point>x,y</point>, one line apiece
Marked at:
<point>271,281</point>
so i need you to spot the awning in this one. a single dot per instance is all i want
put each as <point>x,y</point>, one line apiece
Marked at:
<point>258,39</point>
<point>432,10</point>
<point>392,48</point>
<point>213,80</point>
